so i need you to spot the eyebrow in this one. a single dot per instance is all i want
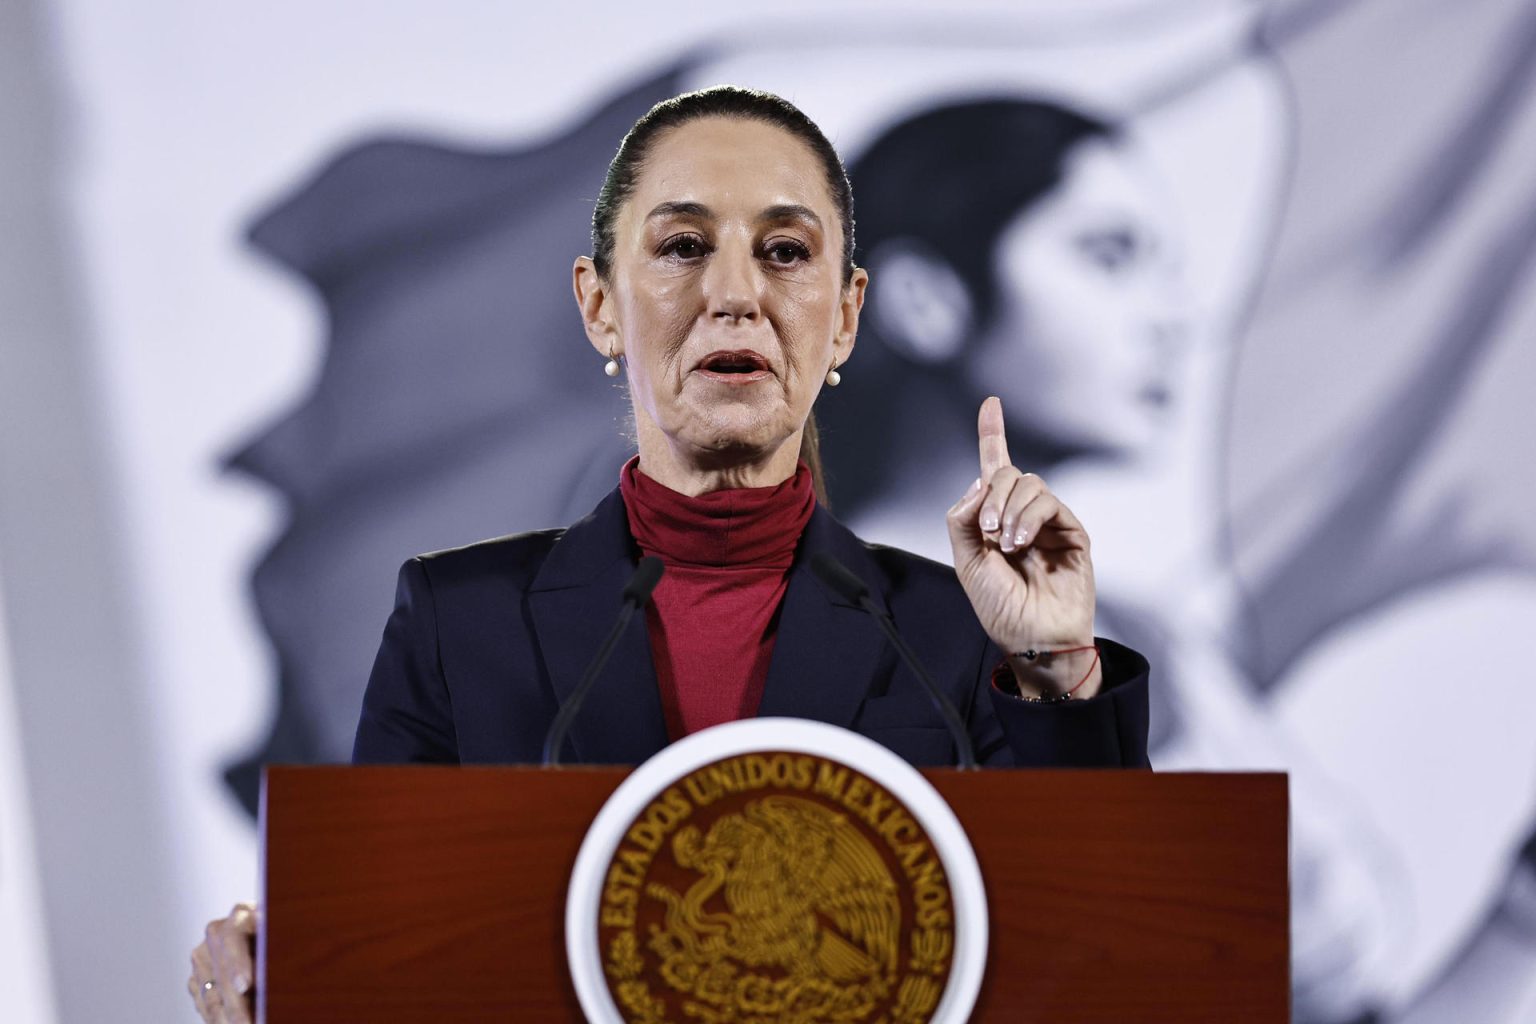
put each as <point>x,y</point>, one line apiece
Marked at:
<point>680,209</point>
<point>791,211</point>
<point>778,213</point>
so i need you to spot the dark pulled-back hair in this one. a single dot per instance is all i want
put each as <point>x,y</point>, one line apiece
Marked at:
<point>729,101</point>
<point>955,176</point>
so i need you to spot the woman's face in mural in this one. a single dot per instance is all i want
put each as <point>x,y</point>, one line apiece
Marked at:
<point>1087,325</point>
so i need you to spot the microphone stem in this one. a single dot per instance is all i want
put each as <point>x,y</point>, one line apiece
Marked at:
<point>946,710</point>
<point>555,738</point>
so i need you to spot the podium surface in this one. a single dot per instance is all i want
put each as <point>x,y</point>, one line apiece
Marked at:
<point>398,895</point>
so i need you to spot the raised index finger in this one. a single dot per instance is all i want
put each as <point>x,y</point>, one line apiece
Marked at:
<point>994,444</point>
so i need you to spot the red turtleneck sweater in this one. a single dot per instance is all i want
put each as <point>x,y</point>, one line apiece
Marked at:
<point>713,616</point>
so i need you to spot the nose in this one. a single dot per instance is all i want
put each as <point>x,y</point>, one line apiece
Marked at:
<point>733,284</point>
<point>1169,317</point>
<point>1170,335</point>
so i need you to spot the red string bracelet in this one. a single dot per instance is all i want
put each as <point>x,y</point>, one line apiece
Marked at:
<point>1031,654</point>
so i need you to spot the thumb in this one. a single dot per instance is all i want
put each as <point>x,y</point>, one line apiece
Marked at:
<point>965,537</point>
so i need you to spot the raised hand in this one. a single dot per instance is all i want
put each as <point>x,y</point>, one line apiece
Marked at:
<point>1022,557</point>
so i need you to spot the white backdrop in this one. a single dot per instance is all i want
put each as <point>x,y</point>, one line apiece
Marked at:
<point>145,340</point>
<point>24,969</point>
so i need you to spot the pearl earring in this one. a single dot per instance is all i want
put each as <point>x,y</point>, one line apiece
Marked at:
<point>833,377</point>
<point>611,368</point>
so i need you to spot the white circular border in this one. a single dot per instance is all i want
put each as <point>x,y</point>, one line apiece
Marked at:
<point>795,736</point>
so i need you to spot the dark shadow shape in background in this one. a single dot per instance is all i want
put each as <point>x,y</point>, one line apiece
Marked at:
<point>454,366</point>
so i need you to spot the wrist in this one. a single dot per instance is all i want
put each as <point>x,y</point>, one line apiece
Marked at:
<point>1056,672</point>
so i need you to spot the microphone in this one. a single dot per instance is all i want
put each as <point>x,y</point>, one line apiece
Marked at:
<point>854,590</point>
<point>636,592</point>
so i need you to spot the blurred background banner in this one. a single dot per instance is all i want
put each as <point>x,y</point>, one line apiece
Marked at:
<point>284,300</point>
<point>24,973</point>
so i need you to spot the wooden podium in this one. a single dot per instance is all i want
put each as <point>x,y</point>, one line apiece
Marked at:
<point>424,895</point>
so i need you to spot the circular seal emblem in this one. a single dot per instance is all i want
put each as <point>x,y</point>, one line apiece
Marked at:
<point>776,871</point>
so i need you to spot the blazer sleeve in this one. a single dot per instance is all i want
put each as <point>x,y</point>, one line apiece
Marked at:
<point>407,709</point>
<point>1109,730</point>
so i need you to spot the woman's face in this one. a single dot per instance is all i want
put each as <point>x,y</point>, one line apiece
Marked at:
<point>726,293</point>
<point>1084,339</point>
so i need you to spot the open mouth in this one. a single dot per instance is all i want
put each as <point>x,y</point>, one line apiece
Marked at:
<point>735,366</point>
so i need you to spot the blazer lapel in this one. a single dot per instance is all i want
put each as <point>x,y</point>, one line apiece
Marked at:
<point>827,653</point>
<point>573,600</point>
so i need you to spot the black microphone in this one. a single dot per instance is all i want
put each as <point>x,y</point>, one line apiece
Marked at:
<point>852,589</point>
<point>636,592</point>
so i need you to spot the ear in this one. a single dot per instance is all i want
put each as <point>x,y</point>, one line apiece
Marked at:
<point>596,311</point>
<point>848,316</point>
<point>923,308</point>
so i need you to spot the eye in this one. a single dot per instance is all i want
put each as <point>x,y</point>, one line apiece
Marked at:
<point>684,247</point>
<point>1111,251</point>
<point>786,252</point>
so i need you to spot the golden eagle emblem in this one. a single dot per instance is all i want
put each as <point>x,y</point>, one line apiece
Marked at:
<point>772,908</point>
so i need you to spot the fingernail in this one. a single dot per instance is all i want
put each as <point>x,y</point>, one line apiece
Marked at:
<point>1020,537</point>
<point>241,984</point>
<point>1006,543</point>
<point>989,521</point>
<point>974,487</point>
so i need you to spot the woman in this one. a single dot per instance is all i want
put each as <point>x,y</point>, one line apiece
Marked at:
<point>1041,267</point>
<point>722,284</point>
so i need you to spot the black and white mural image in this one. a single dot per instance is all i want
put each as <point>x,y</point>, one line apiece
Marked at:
<point>1255,282</point>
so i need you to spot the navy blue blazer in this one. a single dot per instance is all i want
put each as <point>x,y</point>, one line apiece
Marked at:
<point>485,641</point>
